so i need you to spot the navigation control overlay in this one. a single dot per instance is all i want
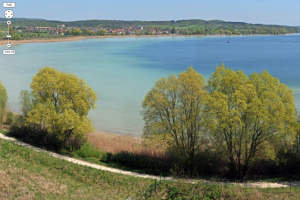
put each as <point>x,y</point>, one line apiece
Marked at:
<point>8,14</point>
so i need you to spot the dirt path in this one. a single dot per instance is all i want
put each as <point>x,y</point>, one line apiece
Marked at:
<point>118,171</point>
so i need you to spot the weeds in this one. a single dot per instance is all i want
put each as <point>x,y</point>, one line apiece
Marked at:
<point>87,151</point>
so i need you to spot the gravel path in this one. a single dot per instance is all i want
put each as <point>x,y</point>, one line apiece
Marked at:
<point>129,173</point>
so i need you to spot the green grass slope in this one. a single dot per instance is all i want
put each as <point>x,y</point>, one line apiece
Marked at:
<point>26,174</point>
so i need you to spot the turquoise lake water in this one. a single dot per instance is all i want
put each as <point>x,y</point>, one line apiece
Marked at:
<point>123,70</point>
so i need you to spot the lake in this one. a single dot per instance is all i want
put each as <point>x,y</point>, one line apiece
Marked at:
<point>123,70</point>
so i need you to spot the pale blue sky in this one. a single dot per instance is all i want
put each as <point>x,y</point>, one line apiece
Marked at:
<point>285,12</point>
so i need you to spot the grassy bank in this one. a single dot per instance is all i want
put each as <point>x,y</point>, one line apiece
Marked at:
<point>26,174</point>
<point>138,155</point>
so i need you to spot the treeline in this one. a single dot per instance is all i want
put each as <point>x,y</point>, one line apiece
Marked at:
<point>181,27</point>
<point>29,22</point>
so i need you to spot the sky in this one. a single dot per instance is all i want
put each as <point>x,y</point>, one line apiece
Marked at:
<point>282,12</point>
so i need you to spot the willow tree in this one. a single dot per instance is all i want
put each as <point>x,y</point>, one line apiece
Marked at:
<point>25,101</point>
<point>173,110</point>
<point>61,103</point>
<point>248,116</point>
<point>3,102</point>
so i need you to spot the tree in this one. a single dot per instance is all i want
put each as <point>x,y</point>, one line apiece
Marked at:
<point>26,101</point>
<point>76,31</point>
<point>69,32</point>
<point>173,30</point>
<point>173,110</point>
<point>16,36</point>
<point>297,140</point>
<point>103,32</point>
<point>61,103</point>
<point>248,116</point>
<point>138,32</point>
<point>11,31</point>
<point>3,102</point>
<point>87,32</point>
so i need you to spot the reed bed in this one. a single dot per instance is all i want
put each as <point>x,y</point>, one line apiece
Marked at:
<point>115,143</point>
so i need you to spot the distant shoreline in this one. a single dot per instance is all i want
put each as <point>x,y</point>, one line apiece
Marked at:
<point>77,38</point>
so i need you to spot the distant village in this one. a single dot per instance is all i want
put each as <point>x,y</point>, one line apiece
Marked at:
<point>64,30</point>
<point>26,32</point>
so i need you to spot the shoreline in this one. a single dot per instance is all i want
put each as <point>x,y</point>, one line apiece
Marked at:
<point>96,131</point>
<point>117,133</point>
<point>77,38</point>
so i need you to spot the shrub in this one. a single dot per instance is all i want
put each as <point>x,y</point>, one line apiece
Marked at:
<point>16,36</point>
<point>135,161</point>
<point>33,134</point>
<point>74,142</point>
<point>10,118</point>
<point>37,135</point>
<point>88,151</point>
<point>106,157</point>
<point>3,102</point>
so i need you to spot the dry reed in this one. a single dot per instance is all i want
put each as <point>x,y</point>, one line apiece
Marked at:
<point>115,143</point>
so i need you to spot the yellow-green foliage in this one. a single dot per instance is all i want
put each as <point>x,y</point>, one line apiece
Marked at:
<point>173,109</point>
<point>61,103</point>
<point>76,31</point>
<point>3,102</point>
<point>25,101</point>
<point>248,116</point>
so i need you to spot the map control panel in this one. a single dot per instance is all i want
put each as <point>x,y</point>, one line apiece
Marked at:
<point>9,14</point>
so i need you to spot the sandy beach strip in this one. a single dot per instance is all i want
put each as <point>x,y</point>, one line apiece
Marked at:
<point>76,38</point>
<point>42,40</point>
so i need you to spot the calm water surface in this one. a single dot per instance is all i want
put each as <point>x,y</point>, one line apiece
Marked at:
<point>123,70</point>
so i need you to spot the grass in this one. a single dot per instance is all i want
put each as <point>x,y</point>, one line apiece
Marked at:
<point>139,161</point>
<point>26,174</point>
<point>275,179</point>
<point>214,191</point>
<point>135,154</point>
<point>4,132</point>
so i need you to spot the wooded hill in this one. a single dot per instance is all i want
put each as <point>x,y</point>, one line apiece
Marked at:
<point>195,26</point>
